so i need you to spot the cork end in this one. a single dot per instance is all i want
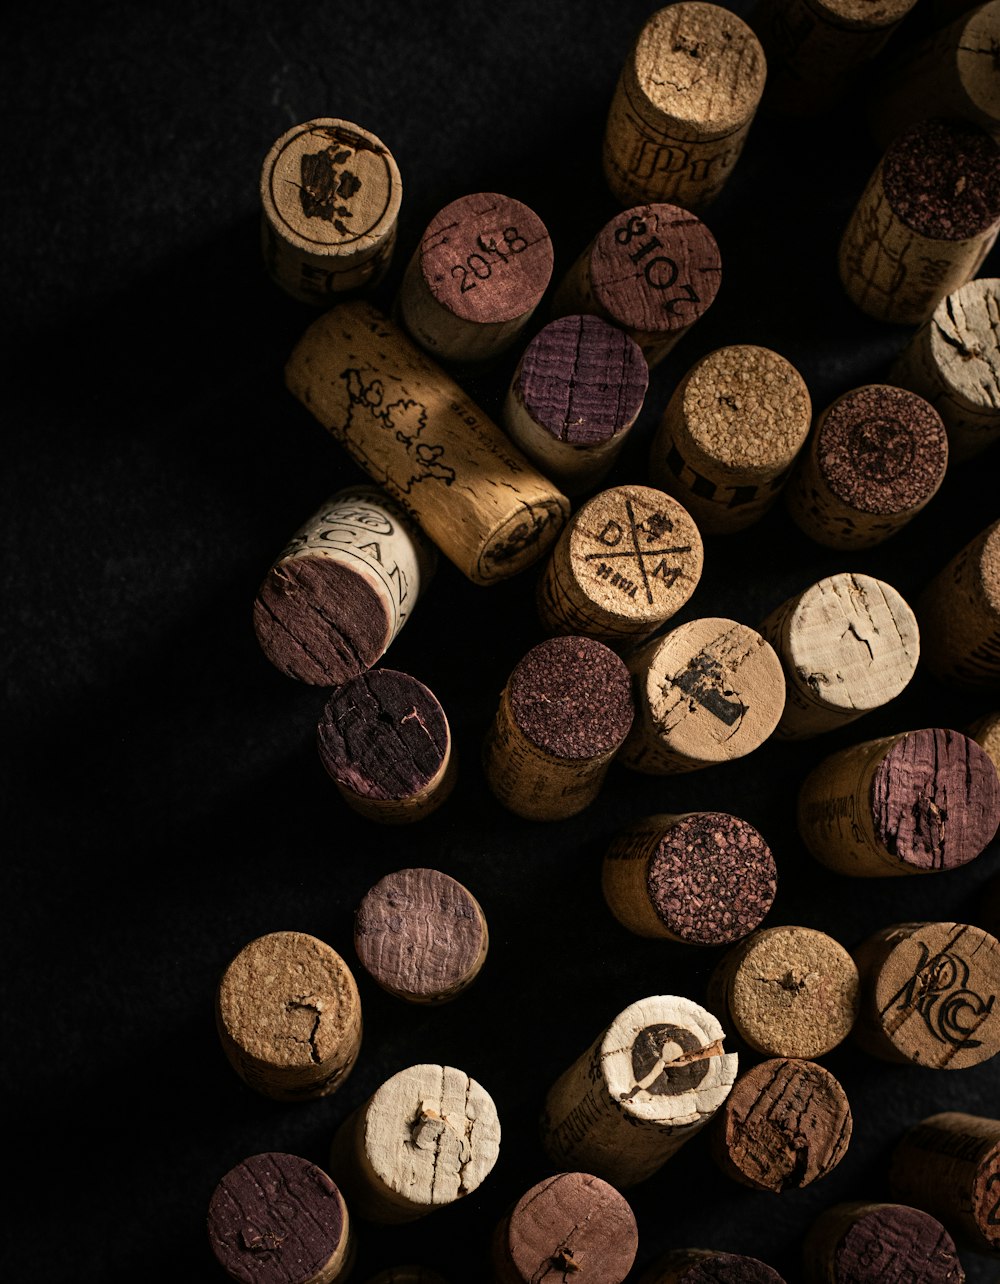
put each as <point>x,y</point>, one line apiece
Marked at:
<point>942,179</point>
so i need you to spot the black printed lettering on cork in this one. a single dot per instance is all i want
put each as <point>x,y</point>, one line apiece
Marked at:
<point>895,1244</point>
<point>942,179</point>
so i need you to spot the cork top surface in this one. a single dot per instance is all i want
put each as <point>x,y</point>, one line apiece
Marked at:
<point>965,342</point>
<point>703,1267</point>
<point>896,1244</point>
<point>407,1275</point>
<point>575,1224</point>
<point>942,179</point>
<point>988,569</point>
<point>975,58</point>
<point>275,1219</point>
<point>864,14</point>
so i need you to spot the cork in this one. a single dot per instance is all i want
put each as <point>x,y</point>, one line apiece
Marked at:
<point>730,434</point>
<point>876,458</point>
<point>848,644</point>
<point>477,275</point>
<point>572,1225</point>
<point>959,611</point>
<point>786,992</point>
<point>330,193</point>
<point>652,270</point>
<point>385,742</point>
<point>627,560</point>
<point>421,935</point>
<point>288,1015</point>
<point>925,222</point>
<point>786,1124</point>
<point>953,361</point>
<point>278,1219</point>
<point>949,1164</point>
<point>682,107</point>
<point>427,1137</point>
<point>708,692</point>
<point>986,733</point>
<point>407,1275</point>
<point>704,878</point>
<point>342,588</point>
<point>929,995</point>
<point>578,388</point>
<point>645,1086</point>
<point>852,1243</point>
<point>562,717</point>
<point>918,802</point>
<point>707,1266</point>
<point>413,430</point>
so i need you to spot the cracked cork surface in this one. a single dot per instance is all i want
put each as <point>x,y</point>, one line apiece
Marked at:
<point>855,1243</point>
<point>706,1266</point>
<point>942,179</point>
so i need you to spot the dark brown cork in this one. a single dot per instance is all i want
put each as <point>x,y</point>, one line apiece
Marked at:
<point>942,179</point>
<point>703,1266</point>
<point>895,1244</point>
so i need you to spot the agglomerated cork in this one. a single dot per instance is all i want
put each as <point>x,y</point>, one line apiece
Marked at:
<point>854,1243</point>
<point>959,614</point>
<point>707,1266</point>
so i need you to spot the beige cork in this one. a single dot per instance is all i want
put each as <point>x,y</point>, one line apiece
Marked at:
<point>330,193</point>
<point>886,1242</point>
<point>288,1014</point>
<point>986,732</point>
<point>708,1266</point>
<point>730,434</point>
<point>627,561</point>
<point>710,691</point>
<point>413,430</point>
<point>427,1137</point>
<point>647,1084</point>
<point>683,106</point>
<point>929,995</point>
<point>959,613</point>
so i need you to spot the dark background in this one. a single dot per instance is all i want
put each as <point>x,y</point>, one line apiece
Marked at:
<point>165,803</point>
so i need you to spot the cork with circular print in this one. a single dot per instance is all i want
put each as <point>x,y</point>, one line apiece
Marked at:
<point>858,1243</point>
<point>708,1266</point>
<point>959,614</point>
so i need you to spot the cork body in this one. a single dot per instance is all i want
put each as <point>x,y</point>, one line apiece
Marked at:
<point>986,732</point>
<point>407,1275</point>
<point>707,1266</point>
<point>960,616</point>
<point>890,1242</point>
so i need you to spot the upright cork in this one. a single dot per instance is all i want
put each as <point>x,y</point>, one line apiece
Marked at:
<point>925,222</point>
<point>288,1014</point>
<point>709,691</point>
<point>427,1137</point>
<point>848,644</point>
<point>730,434</point>
<point>278,1219</point>
<point>577,390</point>
<point>683,106</point>
<point>563,715</point>
<point>877,457</point>
<point>707,1266</point>
<point>960,616</point>
<point>929,995</point>
<point>330,193</point>
<point>652,271</point>
<point>627,561</point>
<point>949,1164</point>
<point>856,1242</point>
<point>342,588</point>
<point>421,935</point>
<point>413,429</point>
<point>918,802</point>
<point>786,1124</point>
<point>646,1085</point>
<point>479,272</point>
<point>385,742</point>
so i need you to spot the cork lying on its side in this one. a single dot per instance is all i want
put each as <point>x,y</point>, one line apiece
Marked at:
<point>852,1243</point>
<point>959,613</point>
<point>986,733</point>
<point>707,1266</point>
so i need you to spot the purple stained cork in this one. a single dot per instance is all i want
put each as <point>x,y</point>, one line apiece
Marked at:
<point>942,179</point>
<point>701,1266</point>
<point>895,1244</point>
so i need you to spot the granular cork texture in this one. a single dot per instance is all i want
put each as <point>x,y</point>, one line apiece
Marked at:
<point>895,1244</point>
<point>942,179</point>
<point>705,1266</point>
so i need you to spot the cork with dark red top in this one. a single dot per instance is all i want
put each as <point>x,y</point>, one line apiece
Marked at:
<point>707,1266</point>
<point>860,1243</point>
<point>959,612</point>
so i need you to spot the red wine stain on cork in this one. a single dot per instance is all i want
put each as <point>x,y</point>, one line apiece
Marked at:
<point>942,179</point>
<point>895,1244</point>
<point>730,1268</point>
<point>572,1226</point>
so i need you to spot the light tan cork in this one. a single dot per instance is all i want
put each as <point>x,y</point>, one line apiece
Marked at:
<point>986,732</point>
<point>959,613</point>
<point>868,1241</point>
<point>683,106</point>
<point>647,1084</point>
<point>288,1014</point>
<point>330,192</point>
<point>730,434</point>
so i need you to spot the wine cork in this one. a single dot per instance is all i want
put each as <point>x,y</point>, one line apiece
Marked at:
<point>730,434</point>
<point>949,1164</point>
<point>710,691</point>
<point>342,588</point>
<point>925,222</point>
<point>407,1275</point>
<point>385,742</point>
<point>786,1124</point>
<point>647,1084</point>
<point>877,457</point>
<point>706,1266</point>
<point>289,1016</point>
<point>704,878</point>
<point>278,1219</point>
<point>929,995</point>
<point>986,733</point>
<point>330,193</point>
<point>848,644</point>
<point>572,1224</point>
<point>786,992</point>
<point>919,802</point>
<point>415,432</point>
<point>421,935</point>
<point>563,715</point>
<point>652,270</point>
<point>953,361</point>
<point>479,272</point>
<point>855,1242</point>
<point>577,390</point>
<point>683,106</point>
<point>627,561</point>
<point>427,1137</point>
<point>959,614</point>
